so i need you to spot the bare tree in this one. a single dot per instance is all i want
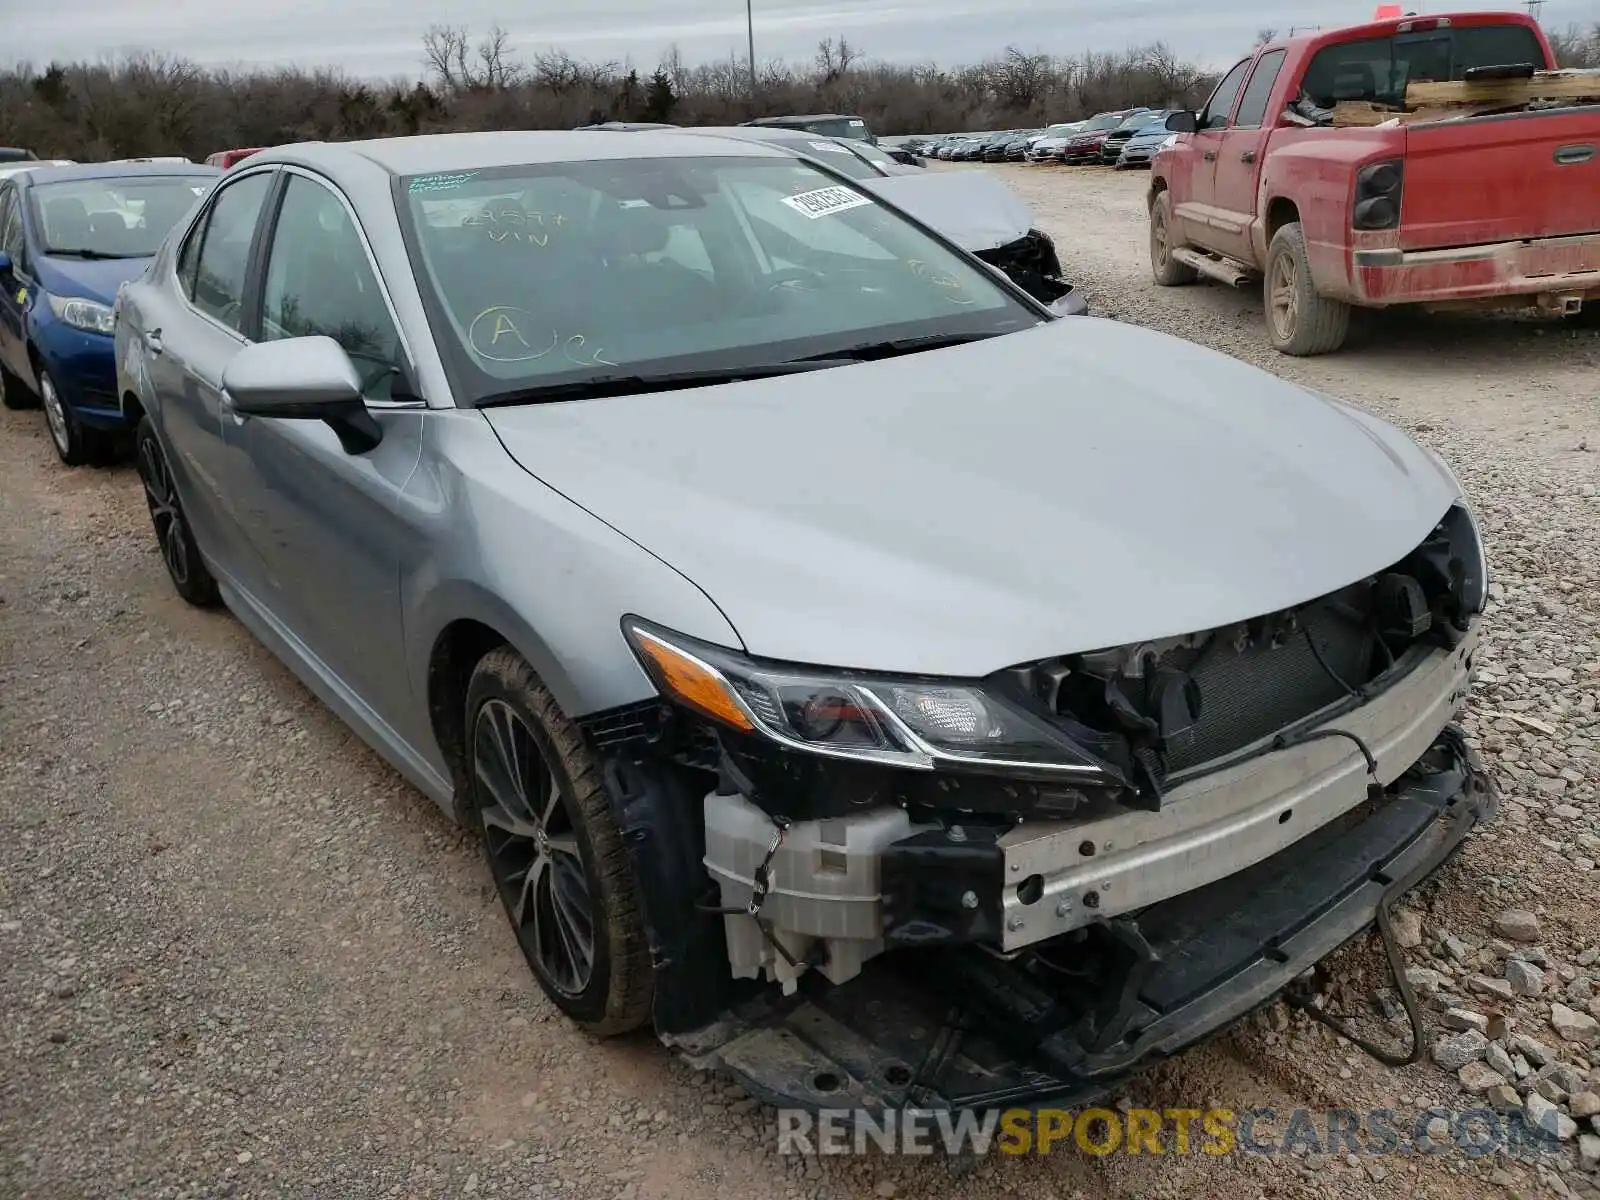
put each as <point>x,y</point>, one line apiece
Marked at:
<point>457,66</point>
<point>498,69</point>
<point>833,61</point>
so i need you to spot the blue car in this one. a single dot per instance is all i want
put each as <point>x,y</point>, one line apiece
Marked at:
<point>70,237</point>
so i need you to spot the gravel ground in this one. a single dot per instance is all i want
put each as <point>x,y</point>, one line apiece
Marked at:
<point>240,957</point>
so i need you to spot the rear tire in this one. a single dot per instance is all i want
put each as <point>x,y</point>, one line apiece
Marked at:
<point>1587,317</point>
<point>1168,271</point>
<point>185,567</point>
<point>1299,321</point>
<point>13,395</point>
<point>554,849</point>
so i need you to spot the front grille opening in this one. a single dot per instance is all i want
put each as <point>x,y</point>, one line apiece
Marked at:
<point>1181,706</point>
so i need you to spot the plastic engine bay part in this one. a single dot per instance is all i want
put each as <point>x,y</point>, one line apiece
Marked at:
<point>960,1027</point>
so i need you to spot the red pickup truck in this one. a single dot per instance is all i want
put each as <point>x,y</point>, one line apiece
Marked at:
<point>1499,210</point>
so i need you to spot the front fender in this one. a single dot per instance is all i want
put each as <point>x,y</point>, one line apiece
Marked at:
<point>505,550</point>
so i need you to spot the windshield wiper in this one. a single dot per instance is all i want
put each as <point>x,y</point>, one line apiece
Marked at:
<point>888,349</point>
<point>598,387</point>
<point>90,254</point>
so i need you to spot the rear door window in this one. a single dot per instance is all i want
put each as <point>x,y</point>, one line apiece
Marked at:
<point>1253,105</point>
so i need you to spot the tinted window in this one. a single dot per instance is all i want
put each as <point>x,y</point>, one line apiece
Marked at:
<point>321,281</point>
<point>225,250</point>
<point>126,217</point>
<point>1253,106</point>
<point>1220,105</point>
<point>547,275</point>
<point>1380,69</point>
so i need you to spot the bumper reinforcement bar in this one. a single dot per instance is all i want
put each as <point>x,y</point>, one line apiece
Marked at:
<point>961,1028</point>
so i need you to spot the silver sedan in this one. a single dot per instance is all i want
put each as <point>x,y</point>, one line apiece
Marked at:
<point>837,652</point>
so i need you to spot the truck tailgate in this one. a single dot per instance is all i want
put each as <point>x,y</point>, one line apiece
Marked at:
<point>1501,179</point>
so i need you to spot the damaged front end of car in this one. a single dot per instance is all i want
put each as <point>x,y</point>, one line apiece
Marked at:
<point>867,891</point>
<point>1032,264</point>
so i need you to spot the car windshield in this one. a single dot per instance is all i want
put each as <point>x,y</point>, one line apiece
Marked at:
<point>547,277</point>
<point>116,217</point>
<point>842,127</point>
<point>1380,69</point>
<point>836,154</point>
<point>1103,121</point>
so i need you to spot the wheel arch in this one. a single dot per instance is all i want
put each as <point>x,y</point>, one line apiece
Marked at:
<point>1277,212</point>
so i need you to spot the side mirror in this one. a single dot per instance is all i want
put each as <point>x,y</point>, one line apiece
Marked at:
<point>304,379</point>
<point>1071,305</point>
<point>5,263</point>
<point>1182,122</point>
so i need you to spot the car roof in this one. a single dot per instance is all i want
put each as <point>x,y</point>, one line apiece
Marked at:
<point>83,171</point>
<point>805,117</point>
<point>444,152</point>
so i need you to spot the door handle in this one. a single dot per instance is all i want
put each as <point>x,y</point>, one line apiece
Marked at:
<point>152,341</point>
<point>1249,156</point>
<point>1211,156</point>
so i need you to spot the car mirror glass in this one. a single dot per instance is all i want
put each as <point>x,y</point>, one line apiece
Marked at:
<point>1182,122</point>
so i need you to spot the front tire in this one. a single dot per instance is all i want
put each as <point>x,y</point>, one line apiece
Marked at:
<point>1299,321</point>
<point>76,444</point>
<point>187,570</point>
<point>555,851</point>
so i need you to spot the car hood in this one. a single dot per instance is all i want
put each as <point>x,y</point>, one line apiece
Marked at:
<point>973,209</point>
<point>87,279</point>
<point>1078,485</point>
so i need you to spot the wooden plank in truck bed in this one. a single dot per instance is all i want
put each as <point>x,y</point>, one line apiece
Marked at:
<point>1545,85</point>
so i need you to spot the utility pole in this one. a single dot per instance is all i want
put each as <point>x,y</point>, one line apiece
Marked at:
<point>1535,7</point>
<point>750,33</point>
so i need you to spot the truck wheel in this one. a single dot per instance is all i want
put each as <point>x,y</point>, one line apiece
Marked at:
<point>1169,272</point>
<point>1300,322</point>
<point>554,849</point>
<point>1587,317</point>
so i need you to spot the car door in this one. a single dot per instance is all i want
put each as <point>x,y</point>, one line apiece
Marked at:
<point>13,283</point>
<point>188,337</point>
<point>331,526</point>
<point>1239,159</point>
<point>1196,211</point>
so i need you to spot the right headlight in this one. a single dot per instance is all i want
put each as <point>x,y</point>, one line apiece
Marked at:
<point>918,724</point>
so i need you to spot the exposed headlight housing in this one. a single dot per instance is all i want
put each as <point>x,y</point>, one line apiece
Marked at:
<point>89,315</point>
<point>915,724</point>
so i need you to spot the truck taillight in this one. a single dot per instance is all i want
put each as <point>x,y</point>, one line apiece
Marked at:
<point>1378,189</point>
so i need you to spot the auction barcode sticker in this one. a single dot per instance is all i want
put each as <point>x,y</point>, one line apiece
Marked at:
<point>826,200</point>
<point>830,147</point>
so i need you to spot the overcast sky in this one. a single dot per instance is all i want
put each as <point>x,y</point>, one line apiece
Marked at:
<point>383,37</point>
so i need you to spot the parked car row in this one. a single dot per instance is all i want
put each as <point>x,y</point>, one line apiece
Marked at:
<point>1126,138</point>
